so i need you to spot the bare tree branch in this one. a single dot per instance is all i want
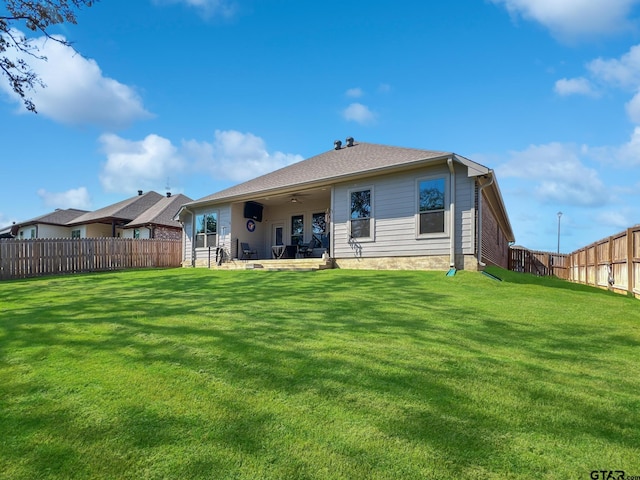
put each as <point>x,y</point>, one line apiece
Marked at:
<point>37,16</point>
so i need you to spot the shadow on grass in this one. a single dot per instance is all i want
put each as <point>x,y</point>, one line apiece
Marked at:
<point>343,348</point>
<point>549,282</point>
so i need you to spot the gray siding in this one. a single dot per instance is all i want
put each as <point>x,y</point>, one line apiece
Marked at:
<point>394,212</point>
<point>202,254</point>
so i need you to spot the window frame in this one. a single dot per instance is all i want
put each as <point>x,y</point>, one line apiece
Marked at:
<point>445,211</point>
<point>300,235</point>
<point>371,218</point>
<point>319,236</point>
<point>205,234</point>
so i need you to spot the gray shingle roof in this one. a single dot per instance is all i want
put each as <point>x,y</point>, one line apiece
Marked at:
<point>125,210</point>
<point>361,158</point>
<point>57,217</point>
<point>162,212</point>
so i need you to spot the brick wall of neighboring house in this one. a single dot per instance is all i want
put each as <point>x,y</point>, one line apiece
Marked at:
<point>495,247</point>
<point>166,233</point>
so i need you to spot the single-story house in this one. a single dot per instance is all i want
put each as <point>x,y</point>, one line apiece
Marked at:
<point>49,225</point>
<point>362,205</point>
<point>146,215</point>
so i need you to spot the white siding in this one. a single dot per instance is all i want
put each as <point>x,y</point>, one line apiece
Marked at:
<point>394,205</point>
<point>53,231</point>
<point>224,222</point>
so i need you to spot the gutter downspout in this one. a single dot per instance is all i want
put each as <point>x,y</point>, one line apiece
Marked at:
<point>480,204</point>
<point>452,214</point>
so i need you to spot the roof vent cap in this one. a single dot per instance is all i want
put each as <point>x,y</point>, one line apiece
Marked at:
<point>168,194</point>
<point>337,144</point>
<point>139,192</point>
<point>349,141</point>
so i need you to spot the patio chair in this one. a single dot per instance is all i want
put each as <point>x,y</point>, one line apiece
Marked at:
<point>305,249</point>
<point>247,251</point>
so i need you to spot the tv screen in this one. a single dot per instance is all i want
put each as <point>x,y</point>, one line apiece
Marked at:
<point>253,210</point>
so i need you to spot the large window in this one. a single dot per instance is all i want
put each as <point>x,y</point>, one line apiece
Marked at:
<point>75,233</point>
<point>206,229</point>
<point>297,230</point>
<point>319,230</point>
<point>431,203</point>
<point>361,214</point>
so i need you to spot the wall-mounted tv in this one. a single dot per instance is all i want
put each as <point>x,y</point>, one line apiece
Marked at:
<point>253,210</point>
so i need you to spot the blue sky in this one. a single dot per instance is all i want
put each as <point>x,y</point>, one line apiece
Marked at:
<point>199,95</point>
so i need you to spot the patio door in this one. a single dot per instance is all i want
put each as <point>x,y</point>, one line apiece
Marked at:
<point>277,234</point>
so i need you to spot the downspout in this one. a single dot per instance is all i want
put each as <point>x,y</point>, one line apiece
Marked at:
<point>452,214</point>
<point>480,204</point>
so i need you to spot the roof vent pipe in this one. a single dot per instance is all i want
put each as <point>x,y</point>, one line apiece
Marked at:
<point>139,192</point>
<point>349,141</point>
<point>168,194</point>
<point>337,144</point>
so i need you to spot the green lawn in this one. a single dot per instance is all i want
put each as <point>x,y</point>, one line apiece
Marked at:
<point>192,373</point>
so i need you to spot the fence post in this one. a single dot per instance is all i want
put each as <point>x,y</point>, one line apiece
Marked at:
<point>630,260</point>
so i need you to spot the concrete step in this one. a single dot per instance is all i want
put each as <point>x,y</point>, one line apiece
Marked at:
<point>298,265</point>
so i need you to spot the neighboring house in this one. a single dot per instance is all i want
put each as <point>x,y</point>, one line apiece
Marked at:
<point>365,206</point>
<point>158,221</point>
<point>147,215</point>
<point>50,225</point>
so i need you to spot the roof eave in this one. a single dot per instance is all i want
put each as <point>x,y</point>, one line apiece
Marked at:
<point>321,182</point>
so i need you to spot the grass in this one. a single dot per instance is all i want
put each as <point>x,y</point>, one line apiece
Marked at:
<point>336,374</point>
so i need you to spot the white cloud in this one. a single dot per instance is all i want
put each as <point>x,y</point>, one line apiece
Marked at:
<point>134,165</point>
<point>633,108</point>
<point>235,156</point>
<point>76,90</point>
<point>615,219</point>
<point>354,92</point>
<point>74,198</point>
<point>557,175</point>
<point>207,8</point>
<point>626,155</point>
<point>570,19</point>
<point>356,112</point>
<point>574,86</point>
<point>623,72</point>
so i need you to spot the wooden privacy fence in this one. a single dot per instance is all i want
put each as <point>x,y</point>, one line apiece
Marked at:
<point>539,263</point>
<point>45,256</point>
<point>612,263</point>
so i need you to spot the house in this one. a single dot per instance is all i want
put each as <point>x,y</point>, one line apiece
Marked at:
<point>363,205</point>
<point>158,220</point>
<point>50,225</point>
<point>146,215</point>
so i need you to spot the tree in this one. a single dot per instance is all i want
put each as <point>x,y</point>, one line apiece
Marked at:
<point>38,16</point>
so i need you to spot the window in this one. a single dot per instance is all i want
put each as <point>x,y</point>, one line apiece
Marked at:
<point>319,229</point>
<point>361,214</point>
<point>33,233</point>
<point>431,200</point>
<point>297,230</point>
<point>206,229</point>
<point>136,233</point>
<point>75,233</point>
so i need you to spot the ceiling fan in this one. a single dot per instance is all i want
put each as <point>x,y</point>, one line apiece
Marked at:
<point>297,198</point>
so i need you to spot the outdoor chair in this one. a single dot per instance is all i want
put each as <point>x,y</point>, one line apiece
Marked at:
<point>247,251</point>
<point>305,249</point>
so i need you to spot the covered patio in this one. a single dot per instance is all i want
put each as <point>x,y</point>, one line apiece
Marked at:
<point>286,226</point>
